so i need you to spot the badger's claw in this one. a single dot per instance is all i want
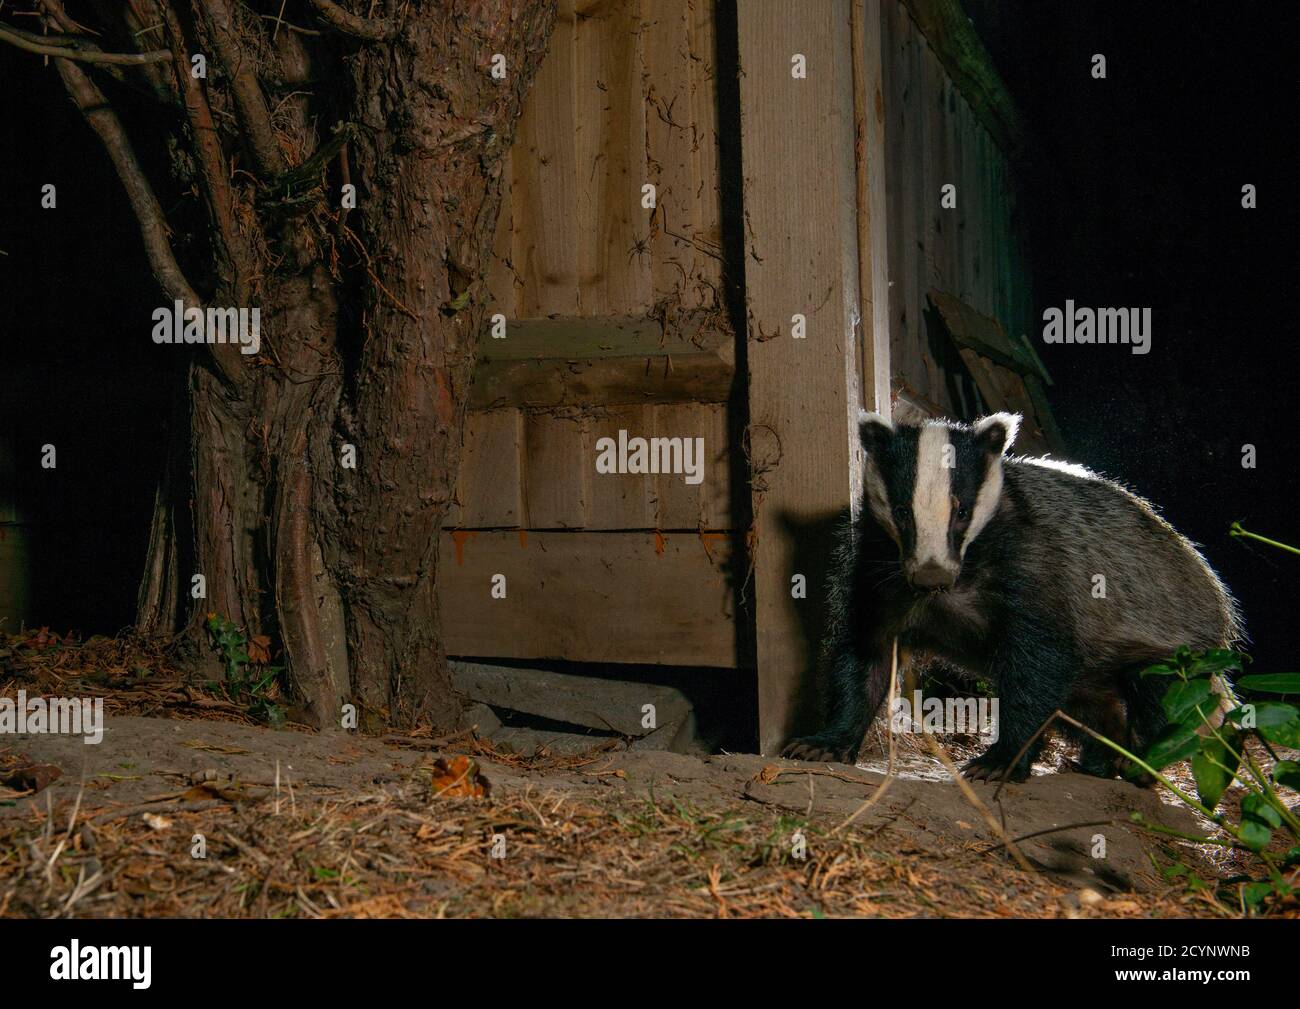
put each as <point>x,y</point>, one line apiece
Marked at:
<point>991,767</point>
<point>821,748</point>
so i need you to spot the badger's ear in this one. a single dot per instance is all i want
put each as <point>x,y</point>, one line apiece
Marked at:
<point>997,431</point>
<point>876,432</point>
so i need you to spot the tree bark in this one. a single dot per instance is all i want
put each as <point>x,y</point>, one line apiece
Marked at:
<point>369,324</point>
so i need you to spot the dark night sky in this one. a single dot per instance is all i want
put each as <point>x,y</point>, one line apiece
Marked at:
<point>1138,204</point>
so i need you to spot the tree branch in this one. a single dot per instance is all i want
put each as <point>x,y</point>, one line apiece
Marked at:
<point>77,49</point>
<point>94,107</point>
<point>250,101</point>
<point>372,30</point>
<point>153,227</point>
<point>231,247</point>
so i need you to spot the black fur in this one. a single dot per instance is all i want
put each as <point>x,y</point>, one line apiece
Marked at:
<point>1009,618</point>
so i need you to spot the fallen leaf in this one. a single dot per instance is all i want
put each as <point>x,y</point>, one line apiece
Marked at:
<point>458,777</point>
<point>157,822</point>
<point>31,777</point>
<point>259,650</point>
<point>768,774</point>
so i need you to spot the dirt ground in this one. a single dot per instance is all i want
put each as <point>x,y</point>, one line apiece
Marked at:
<point>186,809</point>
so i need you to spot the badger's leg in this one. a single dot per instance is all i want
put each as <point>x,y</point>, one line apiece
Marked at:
<point>856,688</point>
<point>1107,713</point>
<point>1032,673</point>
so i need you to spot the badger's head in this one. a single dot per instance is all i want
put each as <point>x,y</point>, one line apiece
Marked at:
<point>934,488</point>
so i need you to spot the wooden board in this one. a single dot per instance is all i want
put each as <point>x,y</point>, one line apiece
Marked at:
<point>670,147</point>
<point>566,362</point>
<point>613,271</point>
<point>589,597</point>
<point>490,485</point>
<point>870,114</point>
<point>558,470</point>
<point>546,236</point>
<point>801,256</point>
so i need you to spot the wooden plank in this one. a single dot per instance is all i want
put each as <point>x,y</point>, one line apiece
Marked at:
<point>970,67</point>
<point>545,189</point>
<point>967,202</point>
<point>911,363</point>
<point>706,286</point>
<point>490,487</point>
<point>8,480</point>
<point>548,363</point>
<point>949,262</point>
<point>501,269</point>
<point>640,597</point>
<point>15,576</point>
<point>557,470</point>
<point>870,153</point>
<point>670,148</point>
<point>613,277</point>
<point>897,170</point>
<point>980,332</point>
<point>800,197</point>
<point>611,706</point>
<point>703,505</point>
<point>621,500</point>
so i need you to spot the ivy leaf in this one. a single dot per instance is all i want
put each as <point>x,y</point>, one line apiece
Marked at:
<point>1253,894</point>
<point>1177,742</point>
<point>1287,772</point>
<point>1272,683</point>
<point>1184,698</point>
<point>1256,807</point>
<point>1208,767</point>
<point>1254,835</point>
<point>1216,660</point>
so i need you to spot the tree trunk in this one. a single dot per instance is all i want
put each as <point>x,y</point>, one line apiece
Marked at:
<point>338,564</point>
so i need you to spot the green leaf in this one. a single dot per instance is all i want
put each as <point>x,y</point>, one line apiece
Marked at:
<point>1254,835</point>
<point>1211,778</point>
<point>1292,857</point>
<point>1272,683</point>
<point>1184,697</point>
<point>1253,894</point>
<point>1177,742</point>
<point>1287,734</point>
<point>1256,807</point>
<point>1266,714</point>
<point>1161,669</point>
<point>1216,660</point>
<point>1287,772</point>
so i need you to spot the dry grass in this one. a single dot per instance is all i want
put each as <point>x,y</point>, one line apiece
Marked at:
<point>407,850</point>
<point>403,852</point>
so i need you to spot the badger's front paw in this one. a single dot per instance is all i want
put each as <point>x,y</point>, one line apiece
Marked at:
<point>991,765</point>
<point>824,746</point>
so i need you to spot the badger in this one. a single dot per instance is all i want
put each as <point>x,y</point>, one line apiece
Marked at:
<point>1053,583</point>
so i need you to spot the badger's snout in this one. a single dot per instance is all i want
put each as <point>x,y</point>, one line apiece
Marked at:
<point>932,577</point>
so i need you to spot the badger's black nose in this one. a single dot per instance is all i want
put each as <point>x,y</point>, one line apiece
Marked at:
<point>933,576</point>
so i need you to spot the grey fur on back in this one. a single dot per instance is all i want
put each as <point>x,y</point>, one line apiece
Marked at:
<point>1159,591</point>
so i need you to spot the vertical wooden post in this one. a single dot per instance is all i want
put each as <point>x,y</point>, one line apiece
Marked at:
<point>800,148</point>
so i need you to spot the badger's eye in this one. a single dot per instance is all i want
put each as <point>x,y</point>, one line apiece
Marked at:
<point>901,515</point>
<point>963,513</point>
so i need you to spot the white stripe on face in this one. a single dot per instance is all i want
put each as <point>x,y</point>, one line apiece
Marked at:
<point>986,502</point>
<point>932,496</point>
